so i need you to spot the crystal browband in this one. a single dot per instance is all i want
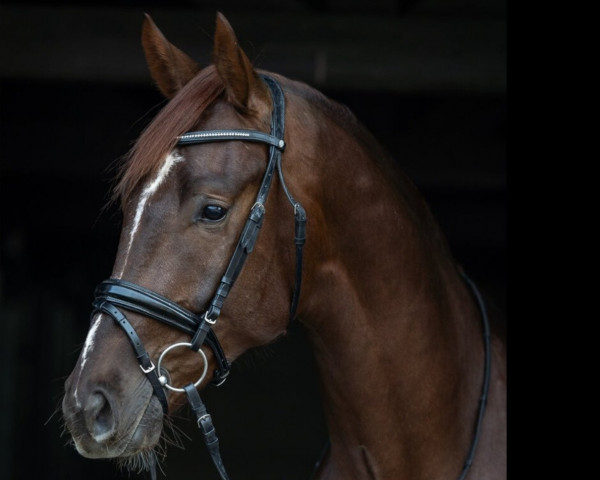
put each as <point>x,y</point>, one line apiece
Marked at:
<point>224,135</point>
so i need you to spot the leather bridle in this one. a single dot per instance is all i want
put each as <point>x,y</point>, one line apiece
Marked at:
<point>113,294</point>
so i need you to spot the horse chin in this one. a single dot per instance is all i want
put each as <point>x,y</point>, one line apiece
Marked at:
<point>144,460</point>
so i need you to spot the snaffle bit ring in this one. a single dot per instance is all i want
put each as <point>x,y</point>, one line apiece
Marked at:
<point>163,379</point>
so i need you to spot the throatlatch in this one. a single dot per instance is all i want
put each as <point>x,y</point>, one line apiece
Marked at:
<point>114,294</point>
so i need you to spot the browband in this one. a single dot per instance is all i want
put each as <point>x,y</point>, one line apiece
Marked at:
<point>191,138</point>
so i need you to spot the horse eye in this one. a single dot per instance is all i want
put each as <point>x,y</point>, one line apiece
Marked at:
<point>213,213</point>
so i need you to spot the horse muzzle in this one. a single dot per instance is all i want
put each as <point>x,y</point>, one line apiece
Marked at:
<point>102,425</point>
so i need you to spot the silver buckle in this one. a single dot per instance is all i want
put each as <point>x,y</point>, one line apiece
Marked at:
<point>152,367</point>
<point>208,320</point>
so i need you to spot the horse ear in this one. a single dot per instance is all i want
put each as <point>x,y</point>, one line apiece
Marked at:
<point>242,84</point>
<point>169,67</point>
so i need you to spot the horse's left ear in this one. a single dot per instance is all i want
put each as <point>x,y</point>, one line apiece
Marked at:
<point>169,67</point>
<point>243,86</point>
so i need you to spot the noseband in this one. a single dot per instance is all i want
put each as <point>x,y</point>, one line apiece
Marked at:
<point>112,295</point>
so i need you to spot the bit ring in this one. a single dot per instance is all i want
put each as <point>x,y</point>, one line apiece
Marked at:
<point>163,379</point>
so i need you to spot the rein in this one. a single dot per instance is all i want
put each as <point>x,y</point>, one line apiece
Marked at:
<point>487,371</point>
<point>114,294</point>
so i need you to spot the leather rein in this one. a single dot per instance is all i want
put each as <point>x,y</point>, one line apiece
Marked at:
<point>113,294</point>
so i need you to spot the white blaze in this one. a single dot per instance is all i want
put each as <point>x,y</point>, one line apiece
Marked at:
<point>151,188</point>
<point>87,348</point>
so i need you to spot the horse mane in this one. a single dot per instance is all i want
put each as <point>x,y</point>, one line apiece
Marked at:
<point>160,136</point>
<point>408,193</point>
<point>343,116</point>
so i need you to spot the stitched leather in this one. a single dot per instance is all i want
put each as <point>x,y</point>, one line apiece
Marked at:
<point>138,299</point>
<point>204,421</point>
<point>209,136</point>
<point>140,352</point>
<point>148,303</point>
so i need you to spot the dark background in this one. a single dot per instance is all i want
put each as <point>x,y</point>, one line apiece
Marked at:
<point>428,77</point>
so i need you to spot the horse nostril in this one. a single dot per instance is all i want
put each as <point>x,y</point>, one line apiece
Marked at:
<point>99,417</point>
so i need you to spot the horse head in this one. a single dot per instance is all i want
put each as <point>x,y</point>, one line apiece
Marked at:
<point>186,211</point>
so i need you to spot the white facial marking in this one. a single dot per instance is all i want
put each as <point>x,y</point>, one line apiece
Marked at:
<point>87,348</point>
<point>173,158</point>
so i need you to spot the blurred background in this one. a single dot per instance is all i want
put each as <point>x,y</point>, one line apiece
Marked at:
<point>427,77</point>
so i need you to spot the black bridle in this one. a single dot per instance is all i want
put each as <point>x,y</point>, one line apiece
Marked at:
<point>112,295</point>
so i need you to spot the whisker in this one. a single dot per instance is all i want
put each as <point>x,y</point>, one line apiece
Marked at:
<point>57,410</point>
<point>173,434</point>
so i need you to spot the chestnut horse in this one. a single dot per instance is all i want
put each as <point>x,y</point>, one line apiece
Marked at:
<point>413,377</point>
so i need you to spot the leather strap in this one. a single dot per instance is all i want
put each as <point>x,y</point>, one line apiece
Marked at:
<point>299,240</point>
<point>138,299</point>
<point>210,136</point>
<point>253,224</point>
<point>487,370</point>
<point>140,352</point>
<point>148,303</point>
<point>252,227</point>
<point>204,421</point>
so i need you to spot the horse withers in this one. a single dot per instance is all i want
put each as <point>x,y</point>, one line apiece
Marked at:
<point>250,201</point>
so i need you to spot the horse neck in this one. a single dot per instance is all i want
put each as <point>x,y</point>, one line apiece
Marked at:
<point>394,332</point>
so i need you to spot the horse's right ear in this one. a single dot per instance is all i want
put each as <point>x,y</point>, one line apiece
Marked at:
<point>169,67</point>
